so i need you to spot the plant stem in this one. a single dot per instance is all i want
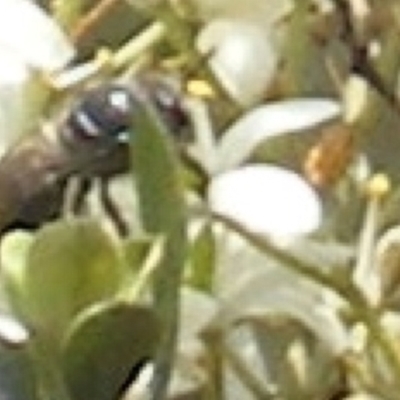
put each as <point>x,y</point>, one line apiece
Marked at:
<point>92,18</point>
<point>136,288</point>
<point>135,47</point>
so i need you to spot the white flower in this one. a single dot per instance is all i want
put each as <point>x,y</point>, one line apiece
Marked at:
<point>29,40</point>
<point>270,120</point>
<point>270,201</point>
<point>253,284</point>
<point>244,58</point>
<point>243,40</point>
<point>265,199</point>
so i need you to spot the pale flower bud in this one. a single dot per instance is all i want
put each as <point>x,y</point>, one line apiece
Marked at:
<point>243,58</point>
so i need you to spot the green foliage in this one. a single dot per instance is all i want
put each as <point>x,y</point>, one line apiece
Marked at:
<point>102,347</point>
<point>64,283</point>
<point>69,266</point>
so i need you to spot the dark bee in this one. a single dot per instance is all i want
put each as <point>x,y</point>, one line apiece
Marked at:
<point>91,140</point>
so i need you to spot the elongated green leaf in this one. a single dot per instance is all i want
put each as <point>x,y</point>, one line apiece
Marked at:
<point>162,207</point>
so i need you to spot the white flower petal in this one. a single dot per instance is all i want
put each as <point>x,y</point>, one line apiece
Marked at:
<point>197,311</point>
<point>12,113</point>
<point>266,200</point>
<point>366,275</point>
<point>234,45</point>
<point>140,387</point>
<point>11,331</point>
<point>13,77</point>
<point>387,260</point>
<point>12,69</point>
<point>355,95</point>
<point>204,147</point>
<point>33,35</point>
<point>270,120</point>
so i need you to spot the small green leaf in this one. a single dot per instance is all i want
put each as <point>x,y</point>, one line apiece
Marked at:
<point>202,260</point>
<point>71,265</point>
<point>104,345</point>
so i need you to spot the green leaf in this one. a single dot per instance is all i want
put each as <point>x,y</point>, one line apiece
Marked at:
<point>14,254</point>
<point>104,345</point>
<point>161,200</point>
<point>71,265</point>
<point>202,260</point>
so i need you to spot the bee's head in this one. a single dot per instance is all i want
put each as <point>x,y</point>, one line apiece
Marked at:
<point>102,115</point>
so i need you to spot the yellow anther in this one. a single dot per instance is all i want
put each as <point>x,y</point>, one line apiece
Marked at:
<point>104,57</point>
<point>200,88</point>
<point>378,186</point>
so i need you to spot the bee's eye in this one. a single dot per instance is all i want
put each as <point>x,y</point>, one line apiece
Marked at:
<point>170,107</point>
<point>103,113</point>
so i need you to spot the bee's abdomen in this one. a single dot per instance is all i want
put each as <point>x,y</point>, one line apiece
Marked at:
<point>30,171</point>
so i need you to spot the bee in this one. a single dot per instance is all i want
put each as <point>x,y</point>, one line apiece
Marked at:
<point>327,161</point>
<point>90,141</point>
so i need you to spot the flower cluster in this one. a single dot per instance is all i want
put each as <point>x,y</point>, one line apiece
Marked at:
<point>252,241</point>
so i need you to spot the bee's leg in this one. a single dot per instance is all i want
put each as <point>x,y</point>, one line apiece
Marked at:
<point>76,191</point>
<point>110,208</point>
